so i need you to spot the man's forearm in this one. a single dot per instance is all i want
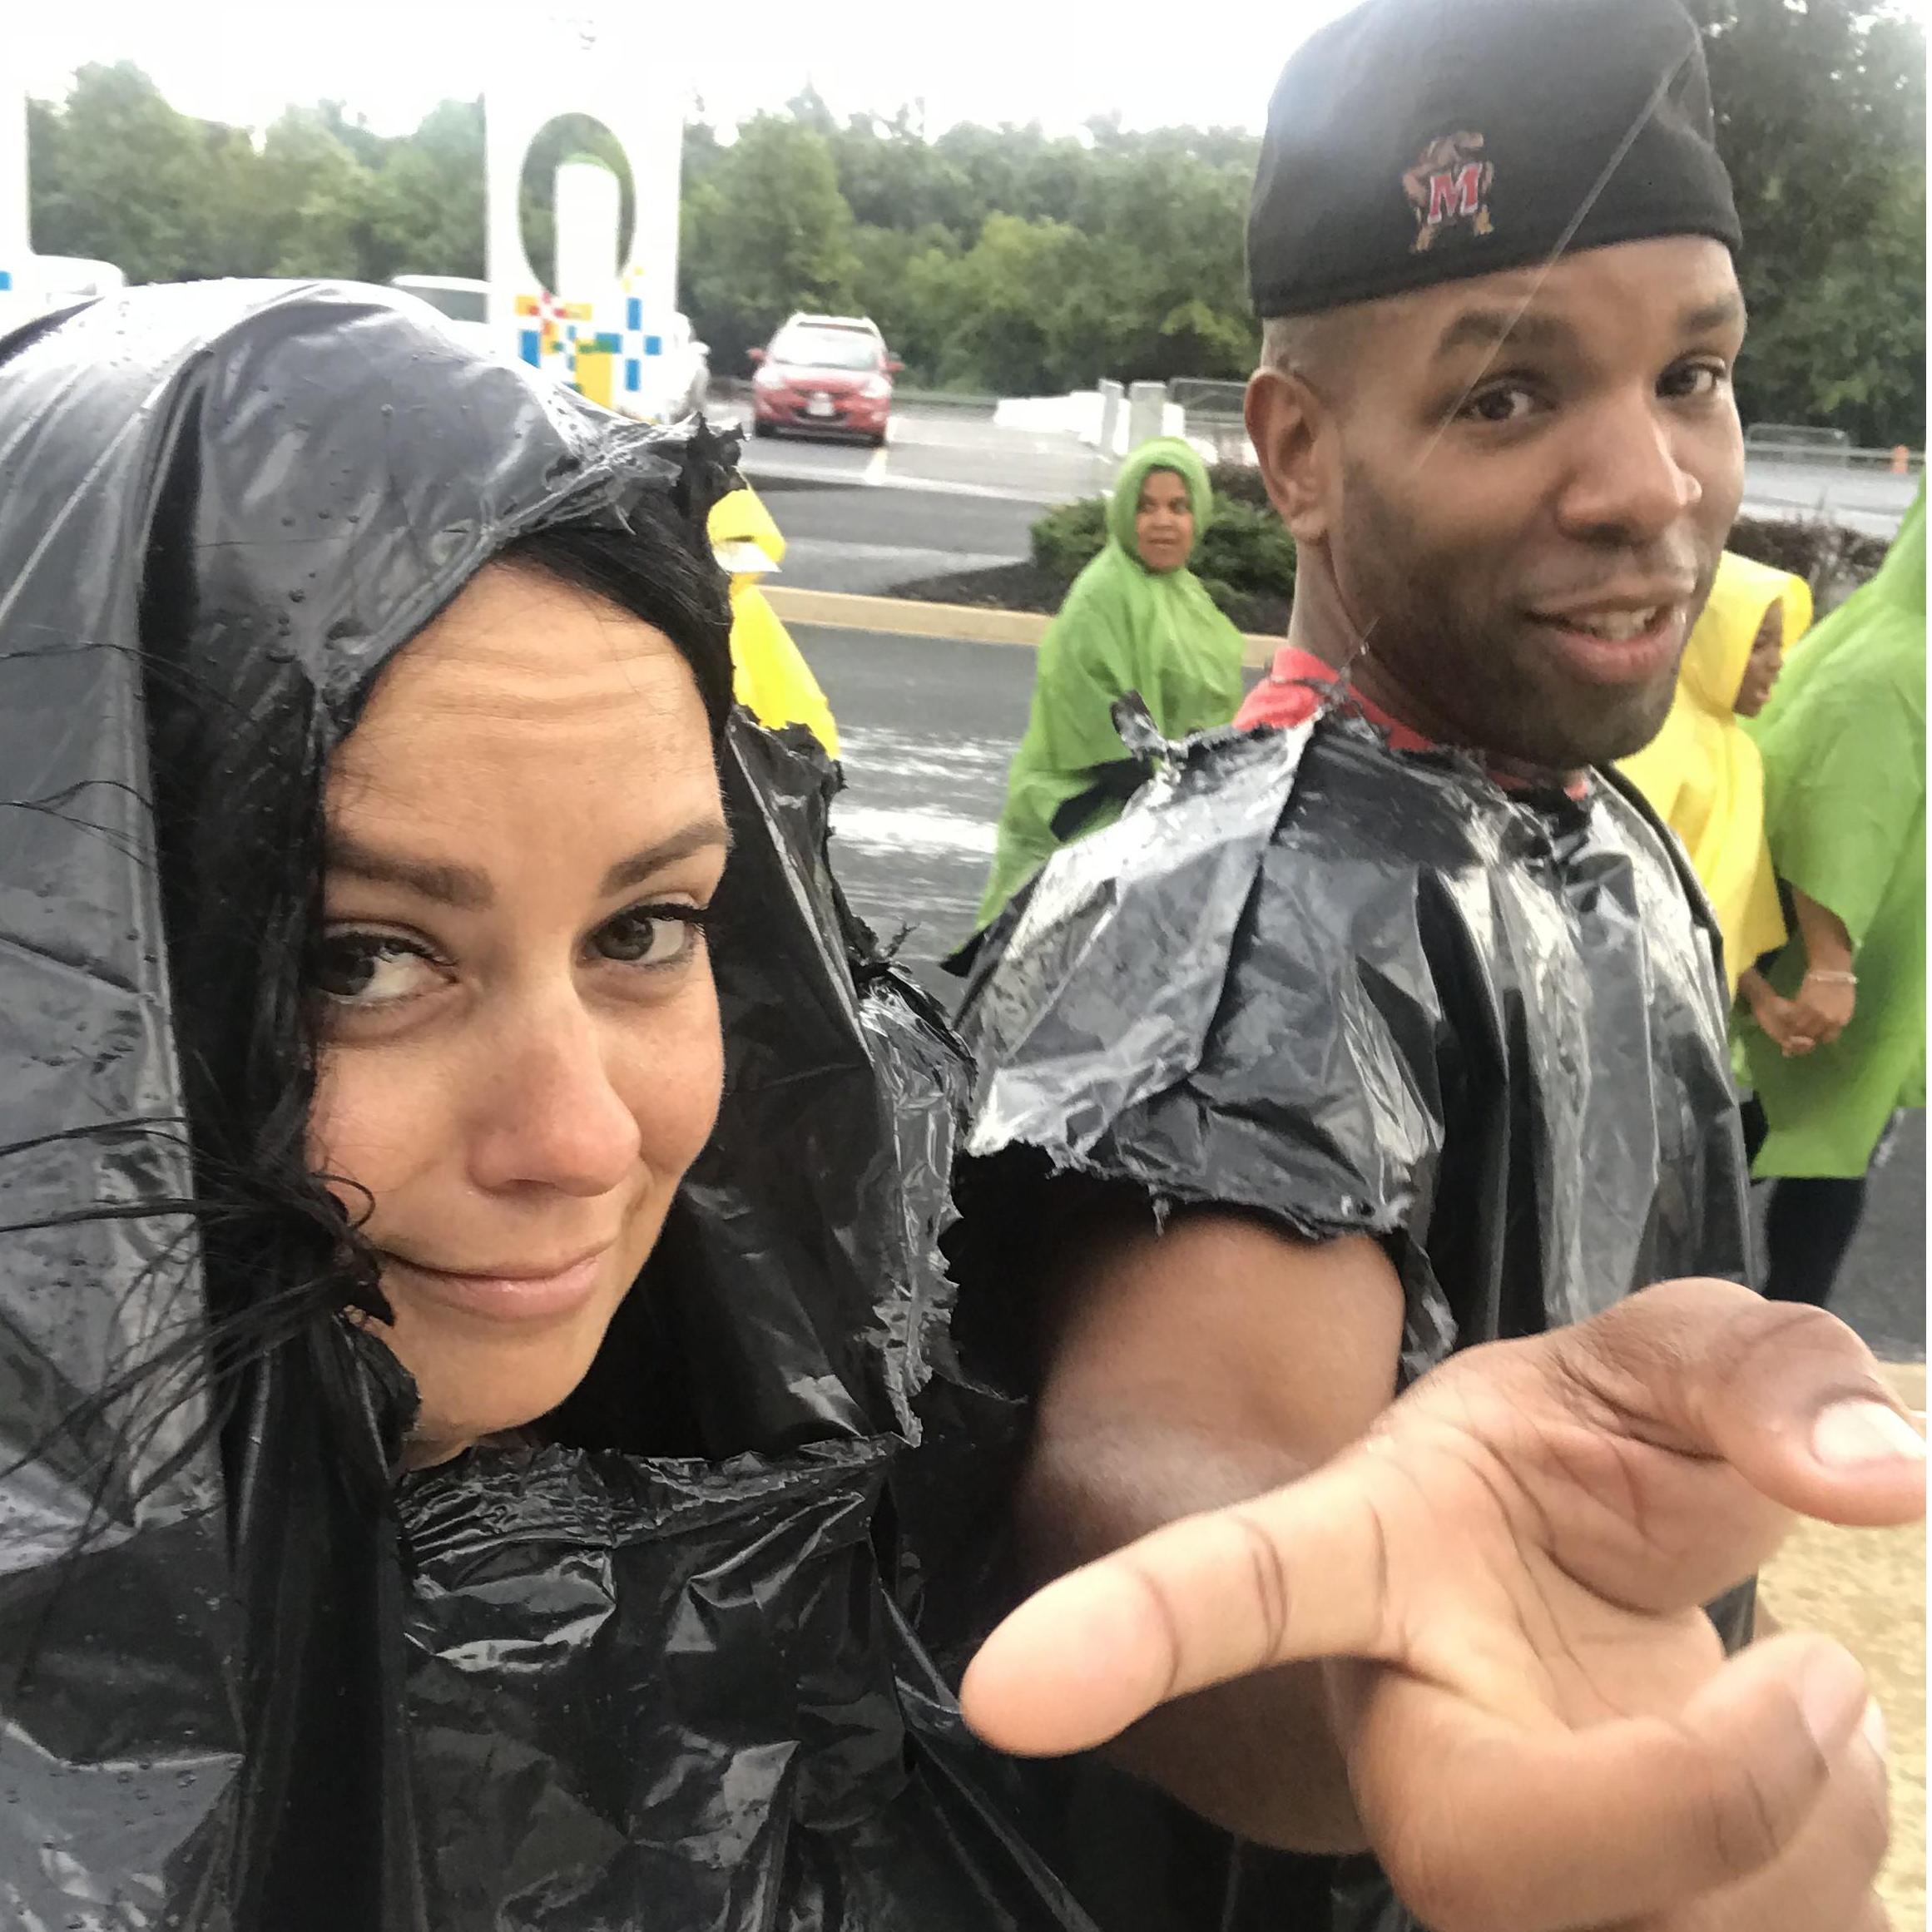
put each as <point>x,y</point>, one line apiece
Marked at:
<point>1257,1757</point>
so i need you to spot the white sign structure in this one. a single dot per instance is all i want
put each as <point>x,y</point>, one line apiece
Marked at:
<point>16,237</point>
<point>618,344</point>
<point>33,284</point>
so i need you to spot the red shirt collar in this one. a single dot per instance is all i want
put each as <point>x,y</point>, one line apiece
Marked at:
<point>1297,683</point>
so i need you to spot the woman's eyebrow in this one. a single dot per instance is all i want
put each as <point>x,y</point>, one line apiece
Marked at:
<point>461,886</point>
<point>468,890</point>
<point>702,836</point>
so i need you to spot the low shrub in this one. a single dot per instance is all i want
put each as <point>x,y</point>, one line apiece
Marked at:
<point>1238,483</point>
<point>1247,549</point>
<point>1070,536</point>
<point>1833,560</point>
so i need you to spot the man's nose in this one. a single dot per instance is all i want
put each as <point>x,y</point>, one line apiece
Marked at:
<point>1630,482</point>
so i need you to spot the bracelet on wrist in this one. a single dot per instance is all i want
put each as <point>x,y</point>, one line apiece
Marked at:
<point>1825,978</point>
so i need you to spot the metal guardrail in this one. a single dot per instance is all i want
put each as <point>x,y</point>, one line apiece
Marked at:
<point>1207,400</point>
<point>1828,456</point>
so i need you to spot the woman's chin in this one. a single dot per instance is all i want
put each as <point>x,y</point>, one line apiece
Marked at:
<point>473,1386</point>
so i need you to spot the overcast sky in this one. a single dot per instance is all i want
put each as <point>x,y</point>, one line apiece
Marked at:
<point>990,61</point>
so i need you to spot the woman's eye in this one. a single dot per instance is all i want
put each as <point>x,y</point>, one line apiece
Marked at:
<point>1507,403</point>
<point>369,968</point>
<point>654,935</point>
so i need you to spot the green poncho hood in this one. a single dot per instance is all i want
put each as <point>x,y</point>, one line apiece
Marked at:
<point>1123,628</point>
<point>1124,505</point>
<point>1843,740</point>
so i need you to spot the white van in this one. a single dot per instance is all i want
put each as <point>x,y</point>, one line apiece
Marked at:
<point>44,283</point>
<point>462,301</point>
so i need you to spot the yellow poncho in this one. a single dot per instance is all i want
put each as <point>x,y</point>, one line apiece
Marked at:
<point>770,676</point>
<point>1702,773</point>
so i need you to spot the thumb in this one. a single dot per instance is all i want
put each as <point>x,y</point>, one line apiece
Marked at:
<point>1786,1395</point>
<point>1298,1573</point>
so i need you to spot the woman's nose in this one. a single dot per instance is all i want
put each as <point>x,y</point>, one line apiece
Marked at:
<point>551,1115</point>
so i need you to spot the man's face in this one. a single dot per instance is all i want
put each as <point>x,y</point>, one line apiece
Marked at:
<point>1533,475</point>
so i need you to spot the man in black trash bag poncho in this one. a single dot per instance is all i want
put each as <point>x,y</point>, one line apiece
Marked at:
<point>1399,1028</point>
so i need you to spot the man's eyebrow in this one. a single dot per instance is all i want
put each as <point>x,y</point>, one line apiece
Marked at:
<point>1492,327</point>
<point>469,890</point>
<point>1707,317</point>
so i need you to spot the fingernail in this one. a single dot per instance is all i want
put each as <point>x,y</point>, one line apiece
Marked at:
<point>1872,1727</point>
<point>1853,1432</point>
<point>1834,1697</point>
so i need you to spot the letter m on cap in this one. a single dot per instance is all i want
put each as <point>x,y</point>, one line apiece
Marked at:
<point>1458,191</point>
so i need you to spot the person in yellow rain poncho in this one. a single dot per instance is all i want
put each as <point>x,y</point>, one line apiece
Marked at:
<point>1702,773</point>
<point>770,677</point>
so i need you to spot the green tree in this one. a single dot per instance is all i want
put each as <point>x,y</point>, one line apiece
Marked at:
<point>1820,105</point>
<point>1850,342</point>
<point>1008,300</point>
<point>318,202</point>
<point>769,233</point>
<point>118,175</point>
<point>430,214</point>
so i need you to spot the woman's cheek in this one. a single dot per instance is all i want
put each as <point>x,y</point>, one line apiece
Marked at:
<point>676,1080</point>
<point>372,1120</point>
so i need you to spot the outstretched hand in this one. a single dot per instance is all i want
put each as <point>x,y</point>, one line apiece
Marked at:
<point>1540,1727</point>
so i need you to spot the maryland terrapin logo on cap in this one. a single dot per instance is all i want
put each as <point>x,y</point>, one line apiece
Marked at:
<point>1448,188</point>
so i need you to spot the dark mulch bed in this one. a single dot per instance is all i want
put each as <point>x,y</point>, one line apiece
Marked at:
<point>1025,586</point>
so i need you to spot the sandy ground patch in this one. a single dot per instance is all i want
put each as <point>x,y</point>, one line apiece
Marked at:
<point>1866,1587</point>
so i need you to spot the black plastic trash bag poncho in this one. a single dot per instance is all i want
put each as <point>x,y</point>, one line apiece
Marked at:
<point>249,1677</point>
<point>1360,991</point>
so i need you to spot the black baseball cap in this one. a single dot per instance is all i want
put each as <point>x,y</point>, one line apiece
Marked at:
<point>1417,142</point>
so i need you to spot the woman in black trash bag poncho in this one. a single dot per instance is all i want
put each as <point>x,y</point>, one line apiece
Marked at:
<point>451,924</point>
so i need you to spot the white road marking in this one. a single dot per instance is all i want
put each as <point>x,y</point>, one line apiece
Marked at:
<point>875,471</point>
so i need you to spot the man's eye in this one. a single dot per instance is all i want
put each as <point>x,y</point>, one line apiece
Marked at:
<point>1507,403</point>
<point>651,935</point>
<point>1693,380</point>
<point>369,968</point>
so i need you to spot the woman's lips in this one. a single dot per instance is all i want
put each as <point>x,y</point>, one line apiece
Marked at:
<point>506,1297</point>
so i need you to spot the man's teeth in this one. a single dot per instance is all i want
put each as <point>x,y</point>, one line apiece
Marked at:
<point>1617,626</point>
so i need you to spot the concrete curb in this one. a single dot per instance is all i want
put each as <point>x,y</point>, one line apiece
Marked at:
<point>973,623</point>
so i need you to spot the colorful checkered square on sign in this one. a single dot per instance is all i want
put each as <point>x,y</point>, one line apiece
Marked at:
<point>555,331</point>
<point>635,344</point>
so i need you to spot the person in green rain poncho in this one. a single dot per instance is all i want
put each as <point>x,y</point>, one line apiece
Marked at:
<point>1834,1034</point>
<point>1136,620</point>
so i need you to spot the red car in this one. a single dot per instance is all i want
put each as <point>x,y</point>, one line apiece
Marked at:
<point>826,373</point>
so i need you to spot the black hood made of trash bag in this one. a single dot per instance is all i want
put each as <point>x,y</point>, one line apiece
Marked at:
<point>248,1680</point>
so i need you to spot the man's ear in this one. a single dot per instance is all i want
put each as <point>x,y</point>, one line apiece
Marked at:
<point>1294,434</point>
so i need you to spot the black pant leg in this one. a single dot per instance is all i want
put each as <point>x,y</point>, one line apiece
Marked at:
<point>1808,1230</point>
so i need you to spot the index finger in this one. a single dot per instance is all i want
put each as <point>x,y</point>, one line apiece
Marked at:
<point>1296,1574</point>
